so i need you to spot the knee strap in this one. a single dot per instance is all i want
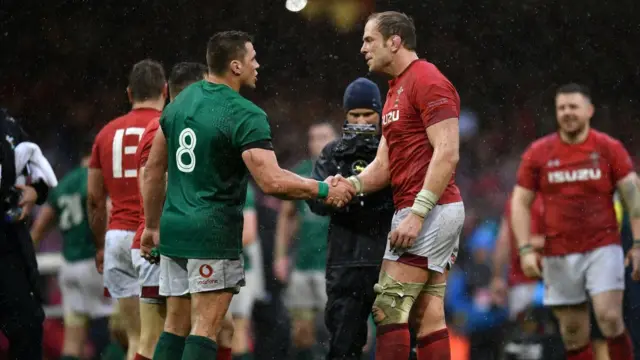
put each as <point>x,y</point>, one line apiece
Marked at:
<point>394,300</point>
<point>75,319</point>
<point>437,290</point>
<point>303,314</point>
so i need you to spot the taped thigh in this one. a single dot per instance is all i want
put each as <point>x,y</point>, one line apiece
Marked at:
<point>437,290</point>
<point>76,319</point>
<point>394,300</point>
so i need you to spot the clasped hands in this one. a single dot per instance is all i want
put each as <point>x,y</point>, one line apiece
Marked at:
<point>341,191</point>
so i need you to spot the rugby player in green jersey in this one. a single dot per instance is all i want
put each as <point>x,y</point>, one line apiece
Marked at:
<point>210,139</point>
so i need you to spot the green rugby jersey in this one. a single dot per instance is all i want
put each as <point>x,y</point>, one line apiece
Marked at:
<point>69,202</point>
<point>313,230</point>
<point>207,127</point>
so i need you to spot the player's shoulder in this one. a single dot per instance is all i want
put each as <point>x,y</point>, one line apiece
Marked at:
<point>426,73</point>
<point>605,139</point>
<point>73,179</point>
<point>542,144</point>
<point>246,106</point>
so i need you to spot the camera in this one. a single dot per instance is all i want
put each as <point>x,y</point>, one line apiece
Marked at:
<point>10,203</point>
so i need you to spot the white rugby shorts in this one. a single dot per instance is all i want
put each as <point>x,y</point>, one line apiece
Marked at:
<point>120,277</point>
<point>82,290</point>
<point>437,241</point>
<point>569,278</point>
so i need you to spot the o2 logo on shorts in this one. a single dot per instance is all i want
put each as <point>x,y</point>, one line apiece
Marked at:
<point>206,271</point>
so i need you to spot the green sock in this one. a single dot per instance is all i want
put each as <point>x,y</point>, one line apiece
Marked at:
<point>170,347</point>
<point>245,356</point>
<point>199,348</point>
<point>304,354</point>
<point>113,352</point>
<point>69,357</point>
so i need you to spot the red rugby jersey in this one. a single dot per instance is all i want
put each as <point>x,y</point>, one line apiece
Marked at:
<point>420,97</point>
<point>113,154</point>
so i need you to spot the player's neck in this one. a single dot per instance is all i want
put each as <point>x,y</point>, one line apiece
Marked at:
<point>157,104</point>
<point>578,138</point>
<point>401,62</point>
<point>85,161</point>
<point>224,80</point>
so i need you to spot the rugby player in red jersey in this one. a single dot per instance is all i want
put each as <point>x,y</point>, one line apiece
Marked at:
<point>518,287</point>
<point>576,172</point>
<point>113,173</point>
<point>418,154</point>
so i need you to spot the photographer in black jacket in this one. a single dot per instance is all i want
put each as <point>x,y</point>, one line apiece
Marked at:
<point>358,232</point>
<point>21,313</point>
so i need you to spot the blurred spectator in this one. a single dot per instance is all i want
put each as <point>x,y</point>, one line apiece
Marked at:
<point>468,301</point>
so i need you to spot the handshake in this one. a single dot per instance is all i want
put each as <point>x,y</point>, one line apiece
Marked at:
<point>341,191</point>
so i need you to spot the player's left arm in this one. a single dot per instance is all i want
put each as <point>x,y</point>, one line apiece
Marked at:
<point>97,197</point>
<point>439,110</point>
<point>43,224</point>
<point>154,181</point>
<point>627,184</point>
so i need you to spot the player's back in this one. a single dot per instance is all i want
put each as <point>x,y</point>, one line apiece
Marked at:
<point>206,127</point>
<point>577,182</point>
<point>69,201</point>
<point>114,154</point>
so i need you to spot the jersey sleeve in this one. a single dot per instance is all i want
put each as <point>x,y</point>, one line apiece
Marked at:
<point>94,162</point>
<point>250,202</point>
<point>620,160</point>
<point>529,171</point>
<point>436,101</point>
<point>252,131</point>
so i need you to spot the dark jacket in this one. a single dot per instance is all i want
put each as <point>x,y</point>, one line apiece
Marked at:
<point>358,232</point>
<point>14,237</point>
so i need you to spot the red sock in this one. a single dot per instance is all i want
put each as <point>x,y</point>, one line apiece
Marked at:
<point>620,347</point>
<point>224,353</point>
<point>434,346</point>
<point>584,353</point>
<point>140,357</point>
<point>393,342</point>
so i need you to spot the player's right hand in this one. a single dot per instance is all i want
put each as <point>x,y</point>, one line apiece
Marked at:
<point>499,291</point>
<point>149,240</point>
<point>530,263</point>
<point>340,191</point>
<point>281,268</point>
<point>100,260</point>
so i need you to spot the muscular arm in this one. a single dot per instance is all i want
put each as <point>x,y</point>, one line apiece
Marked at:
<point>43,224</point>
<point>629,190</point>
<point>445,139</point>
<point>521,201</point>
<point>285,228</point>
<point>274,180</point>
<point>97,206</point>
<point>503,249</point>
<point>154,181</point>
<point>250,228</point>
<point>376,176</point>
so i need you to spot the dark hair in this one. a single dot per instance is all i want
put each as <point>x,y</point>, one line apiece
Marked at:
<point>86,146</point>
<point>184,74</point>
<point>224,47</point>
<point>573,88</point>
<point>146,80</point>
<point>391,23</point>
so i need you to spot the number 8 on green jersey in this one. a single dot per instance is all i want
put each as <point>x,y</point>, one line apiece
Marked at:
<point>207,128</point>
